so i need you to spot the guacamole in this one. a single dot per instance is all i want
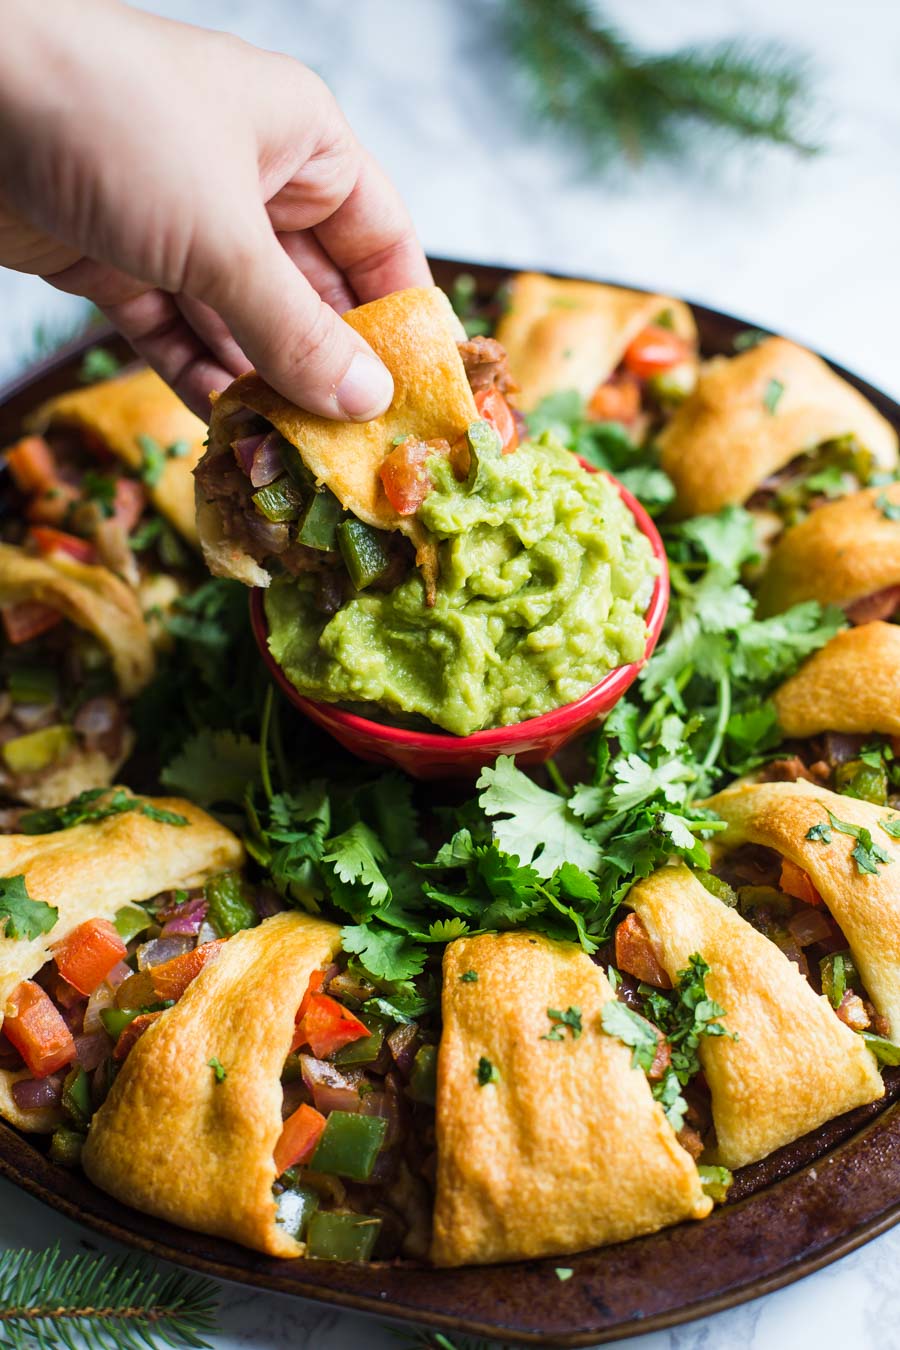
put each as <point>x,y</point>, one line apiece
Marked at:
<point>544,582</point>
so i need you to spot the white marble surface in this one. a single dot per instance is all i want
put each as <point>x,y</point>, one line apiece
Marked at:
<point>809,247</point>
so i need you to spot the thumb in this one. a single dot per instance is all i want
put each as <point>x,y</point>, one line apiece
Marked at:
<point>297,343</point>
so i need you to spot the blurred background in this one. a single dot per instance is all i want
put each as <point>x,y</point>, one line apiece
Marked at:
<point>451,96</point>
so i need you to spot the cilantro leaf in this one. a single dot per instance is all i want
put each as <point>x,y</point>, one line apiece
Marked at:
<point>385,954</point>
<point>618,1020</point>
<point>20,916</point>
<point>213,767</point>
<point>92,805</point>
<point>535,825</point>
<point>486,1072</point>
<point>890,510</point>
<point>98,364</point>
<point>867,855</point>
<point>891,826</point>
<point>773,395</point>
<point>355,856</point>
<point>571,1018</point>
<point>820,832</point>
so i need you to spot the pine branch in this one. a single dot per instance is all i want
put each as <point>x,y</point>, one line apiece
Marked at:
<point>100,1303</point>
<point>587,79</point>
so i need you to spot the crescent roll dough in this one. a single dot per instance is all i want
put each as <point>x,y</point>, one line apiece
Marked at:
<point>843,551</point>
<point>794,1064</point>
<point>415,333</point>
<point>90,871</point>
<point>92,598</point>
<point>171,1140</point>
<point>865,905</point>
<point>723,441</point>
<point>567,1149</point>
<point>117,412</point>
<point>563,334</point>
<point>852,685</point>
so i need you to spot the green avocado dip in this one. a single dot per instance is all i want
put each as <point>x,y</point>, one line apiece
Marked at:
<point>544,583</point>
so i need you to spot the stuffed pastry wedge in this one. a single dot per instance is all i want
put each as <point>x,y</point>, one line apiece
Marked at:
<point>74,647</point>
<point>534,1124</point>
<point>134,421</point>
<point>789,1064</point>
<point>846,553</point>
<point>776,429</point>
<point>81,886</point>
<point>618,349</point>
<point>279,486</point>
<point>273,1104</point>
<point>817,871</point>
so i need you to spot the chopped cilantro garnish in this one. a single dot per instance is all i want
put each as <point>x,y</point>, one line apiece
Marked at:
<point>220,1072</point>
<point>618,1020</point>
<point>469,976</point>
<point>100,488</point>
<point>885,1051</point>
<point>865,853</point>
<point>891,826</point>
<point>93,805</point>
<point>154,458</point>
<point>571,1018</point>
<point>890,510</point>
<point>772,396</point>
<point>20,916</point>
<point>820,832</point>
<point>564,1273</point>
<point>146,534</point>
<point>749,337</point>
<point>98,364</point>
<point>486,1072</point>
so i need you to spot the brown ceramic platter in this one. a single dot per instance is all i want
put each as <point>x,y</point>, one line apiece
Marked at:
<point>791,1214</point>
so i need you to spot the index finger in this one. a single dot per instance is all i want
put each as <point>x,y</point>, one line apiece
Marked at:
<point>370,237</point>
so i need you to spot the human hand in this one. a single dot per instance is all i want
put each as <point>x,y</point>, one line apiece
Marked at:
<point>209,197</point>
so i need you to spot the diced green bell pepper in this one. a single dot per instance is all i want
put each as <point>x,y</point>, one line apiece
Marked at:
<point>295,469</point>
<point>294,1208</point>
<point>76,1097</point>
<point>65,1146</point>
<point>229,909</point>
<point>293,1070</point>
<point>115,1020</point>
<point>365,556</point>
<point>885,1051</point>
<point>39,749</point>
<point>131,920</point>
<point>716,1182</point>
<point>865,781</point>
<point>278,501</point>
<point>752,898</point>
<point>32,684</point>
<point>364,1051</point>
<point>319,520</point>
<point>484,444</point>
<point>838,974</point>
<point>717,887</point>
<point>342,1237</point>
<point>349,1145</point>
<point>423,1078</point>
<point>673,385</point>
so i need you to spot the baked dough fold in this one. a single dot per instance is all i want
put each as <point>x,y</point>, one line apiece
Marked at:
<point>415,332</point>
<point>565,334</point>
<point>567,1148</point>
<point>865,905</point>
<point>845,550</point>
<point>851,685</point>
<point>793,1064</point>
<point>173,1141</point>
<point>724,442</point>
<point>117,412</point>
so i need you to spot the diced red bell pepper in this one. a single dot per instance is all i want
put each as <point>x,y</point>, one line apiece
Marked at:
<point>35,1026</point>
<point>635,954</point>
<point>32,465</point>
<point>326,1026</point>
<point>85,956</point>
<point>299,1135</point>
<point>797,882</point>
<point>133,1033</point>
<point>404,476</point>
<point>316,980</point>
<point>172,978</point>
<point>616,400</point>
<point>494,408</point>
<point>27,619</point>
<point>49,540</point>
<point>654,350</point>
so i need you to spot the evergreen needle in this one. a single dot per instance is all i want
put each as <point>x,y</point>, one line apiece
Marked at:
<point>88,1302</point>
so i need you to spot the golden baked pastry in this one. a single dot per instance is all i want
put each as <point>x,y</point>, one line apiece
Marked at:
<point>851,685</point>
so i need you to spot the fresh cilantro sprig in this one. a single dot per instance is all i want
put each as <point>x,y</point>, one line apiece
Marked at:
<point>20,916</point>
<point>93,805</point>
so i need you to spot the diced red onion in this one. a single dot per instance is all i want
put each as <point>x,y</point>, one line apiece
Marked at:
<point>206,934</point>
<point>331,1089</point>
<point>386,1105</point>
<point>9,1055</point>
<point>73,1016</point>
<point>185,920</point>
<point>159,950</point>
<point>120,972</point>
<point>268,902</point>
<point>103,997</point>
<point>295,1094</point>
<point>267,463</point>
<point>31,1094</point>
<point>809,926</point>
<point>33,716</point>
<point>840,747</point>
<point>244,450</point>
<point>403,1042</point>
<point>96,717</point>
<point>792,950</point>
<point>92,1050</point>
<point>65,995</point>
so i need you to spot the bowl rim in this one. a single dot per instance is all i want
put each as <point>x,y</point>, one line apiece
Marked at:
<point>495,740</point>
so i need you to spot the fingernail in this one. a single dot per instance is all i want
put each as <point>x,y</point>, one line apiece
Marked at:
<point>366,389</point>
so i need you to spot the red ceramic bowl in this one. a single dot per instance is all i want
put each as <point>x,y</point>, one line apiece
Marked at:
<point>426,754</point>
